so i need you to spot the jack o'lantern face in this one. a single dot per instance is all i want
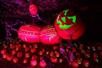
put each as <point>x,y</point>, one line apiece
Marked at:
<point>65,20</point>
<point>68,25</point>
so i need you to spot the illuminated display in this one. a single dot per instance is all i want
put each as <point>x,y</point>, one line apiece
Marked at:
<point>68,25</point>
<point>48,35</point>
<point>29,33</point>
<point>64,20</point>
<point>33,10</point>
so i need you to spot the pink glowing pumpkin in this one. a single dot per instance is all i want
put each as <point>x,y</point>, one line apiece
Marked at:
<point>68,25</point>
<point>29,33</point>
<point>33,9</point>
<point>48,35</point>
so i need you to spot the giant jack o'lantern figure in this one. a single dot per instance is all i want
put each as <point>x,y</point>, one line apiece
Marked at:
<point>29,33</point>
<point>68,25</point>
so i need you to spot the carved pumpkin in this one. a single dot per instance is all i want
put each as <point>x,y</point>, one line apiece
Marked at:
<point>33,9</point>
<point>68,25</point>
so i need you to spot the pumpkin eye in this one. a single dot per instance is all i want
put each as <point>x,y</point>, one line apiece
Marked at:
<point>63,19</point>
<point>73,18</point>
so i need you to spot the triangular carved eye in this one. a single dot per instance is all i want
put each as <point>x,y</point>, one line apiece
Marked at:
<point>73,18</point>
<point>63,19</point>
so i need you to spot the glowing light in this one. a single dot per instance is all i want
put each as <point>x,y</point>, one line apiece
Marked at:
<point>54,60</point>
<point>24,46</point>
<point>17,48</point>
<point>69,27</point>
<point>63,19</point>
<point>33,9</point>
<point>47,52</point>
<point>4,56</point>
<point>29,33</point>
<point>75,64</point>
<point>86,63</point>
<point>33,50</point>
<point>57,54</point>
<point>65,12</point>
<point>27,55</point>
<point>4,46</point>
<point>27,49</point>
<point>34,57</point>
<point>15,60</point>
<point>48,35</point>
<point>19,54</point>
<point>3,51</point>
<point>65,26</point>
<point>55,47</point>
<point>13,52</point>
<point>40,53</point>
<point>59,22</point>
<point>9,58</point>
<point>33,62</point>
<point>51,54</point>
<point>60,60</point>
<point>12,46</point>
<point>25,61</point>
<point>42,63</point>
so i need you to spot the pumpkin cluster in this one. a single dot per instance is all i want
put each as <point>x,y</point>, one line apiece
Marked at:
<point>66,26</point>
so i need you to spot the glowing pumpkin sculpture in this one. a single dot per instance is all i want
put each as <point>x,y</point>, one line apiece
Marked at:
<point>33,9</point>
<point>48,35</point>
<point>29,33</point>
<point>68,25</point>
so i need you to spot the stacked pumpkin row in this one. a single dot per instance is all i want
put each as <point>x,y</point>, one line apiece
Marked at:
<point>30,54</point>
<point>32,34</point>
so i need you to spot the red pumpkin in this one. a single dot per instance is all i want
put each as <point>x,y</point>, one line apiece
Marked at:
<point>48,35</point>
<point>29,33</point>
<point>68,25</point>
